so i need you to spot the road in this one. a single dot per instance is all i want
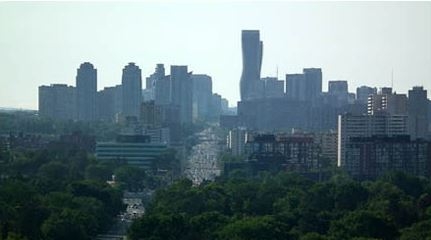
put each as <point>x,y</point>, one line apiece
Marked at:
<point>202,163</point>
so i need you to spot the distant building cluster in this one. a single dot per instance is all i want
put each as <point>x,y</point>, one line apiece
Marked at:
<point>167,103</point>
<point>367,133</point>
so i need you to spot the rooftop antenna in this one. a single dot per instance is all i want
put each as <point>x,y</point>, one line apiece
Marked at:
<point>392,79</point>
<point>276,71</point>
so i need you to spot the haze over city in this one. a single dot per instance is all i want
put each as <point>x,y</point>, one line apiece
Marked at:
<point>365,43</point>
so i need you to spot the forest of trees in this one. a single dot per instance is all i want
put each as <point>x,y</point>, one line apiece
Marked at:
<point>289,206</point>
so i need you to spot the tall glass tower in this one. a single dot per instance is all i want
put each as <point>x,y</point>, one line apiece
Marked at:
<point>251,87</point>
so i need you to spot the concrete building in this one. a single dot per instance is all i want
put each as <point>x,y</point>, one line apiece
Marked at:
<point>418,113</point>
<point>132,90</point>
<point>350,126</point>
<point>371,157</point>
<point>86,91</point>
<point>251,87</point>
<point>135,150</point>
<point>57,101</point>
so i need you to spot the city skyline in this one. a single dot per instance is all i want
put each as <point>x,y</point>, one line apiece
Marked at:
<point>363,43</point>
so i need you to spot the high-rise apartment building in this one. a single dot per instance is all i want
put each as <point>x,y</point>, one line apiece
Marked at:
<point>418,113</point>
<point>131,90</point>
<point>251,87</point>
<point>57,101</point>
<point>86,91</point>
<point>350,126</point>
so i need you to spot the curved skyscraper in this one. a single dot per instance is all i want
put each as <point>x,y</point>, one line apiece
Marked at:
<point>251,86</point>
<point>132,90</point>
<point>86,90</point>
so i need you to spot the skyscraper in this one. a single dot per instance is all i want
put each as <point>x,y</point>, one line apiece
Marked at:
<point>86,91</point>
<point>132,90</point>
<point>251,87</point>
<point>202,94</point>
<point>306,86</point>
<point>313,77</point>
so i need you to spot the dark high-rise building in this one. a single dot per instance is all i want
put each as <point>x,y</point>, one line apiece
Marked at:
<point>363,92</point>
<point>57,101</point>
<point>338,92</point>
<point>181,92</point>
<point>251,87</point>
<point>86,90</point>
<point>418,112</point>
<point>313,77</point>
<point>132,90</point>
<point>273,87</point>
<point>306,86</point>
<point>296,86</point>
<point>202,93</point>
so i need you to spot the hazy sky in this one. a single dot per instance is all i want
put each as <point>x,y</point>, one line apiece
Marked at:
<point>45,42</point>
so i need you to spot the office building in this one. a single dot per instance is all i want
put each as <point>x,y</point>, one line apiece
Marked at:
<point>135,150</point>
<point>202,96</point>
<point>182,92</point>
<point>251,87</point>
<point>131,90</point>
<point>57,101</point>
<point>418,113</point>
<point>86,91</point>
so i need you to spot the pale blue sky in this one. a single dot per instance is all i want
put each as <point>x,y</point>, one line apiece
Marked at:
<point>44,42</point>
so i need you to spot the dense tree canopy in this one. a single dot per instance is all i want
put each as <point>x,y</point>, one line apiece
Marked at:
<point>289,206</point>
